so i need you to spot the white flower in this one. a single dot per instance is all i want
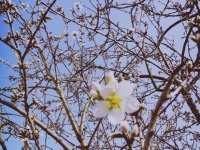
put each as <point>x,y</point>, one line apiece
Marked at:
<point>74,33</point>
<point>124,126</point>
<point>116,99</point>
<point>78,5</point>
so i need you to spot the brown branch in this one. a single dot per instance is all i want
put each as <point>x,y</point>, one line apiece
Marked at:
<point>36,30</point>
<point>190,103</point>
<point>37,122</point>
<point>187,96</point>
<point>155,112</point>
<point>2,143</point>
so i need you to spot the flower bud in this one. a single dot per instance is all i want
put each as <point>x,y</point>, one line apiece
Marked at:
<point>142,106</point>
<point>131,30</point>
<point>124,126</point>
<point>198,39</point>
<point>191,23</point>
<point>189,66</point>
<point>24,139</point>
<point>189,63</point>
<point>198,19</point>
<point>6,21</point>
<point>135,131</point>
<point>193,38</point>
<point>120,79</point>
<point>116,135</point>
<point>94,94</point>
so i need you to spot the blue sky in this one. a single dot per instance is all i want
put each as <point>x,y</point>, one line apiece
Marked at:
<point>56,26</point>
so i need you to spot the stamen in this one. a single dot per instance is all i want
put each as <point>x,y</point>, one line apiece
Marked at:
<point>113,101</point>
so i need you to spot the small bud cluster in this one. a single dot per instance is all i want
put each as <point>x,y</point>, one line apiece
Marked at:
<point>125,128</point>
<point>27,134</point>
<point>195,23</point>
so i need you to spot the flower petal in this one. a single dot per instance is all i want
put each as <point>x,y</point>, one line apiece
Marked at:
<point>125,89</point>
<point>115,116</point>
<point>113,82</point>
<point>130,105</point>
<point>100,109</point>
<point>106,91</point>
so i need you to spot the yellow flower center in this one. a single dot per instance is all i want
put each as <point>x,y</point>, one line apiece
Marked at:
<point>113,101</point>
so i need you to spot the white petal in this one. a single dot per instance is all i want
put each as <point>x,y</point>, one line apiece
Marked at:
<point>100,109</point>
<point>106,91</point>
<point>130,104</point>
<point>113,81</point>
<point>115,116</point>
<point>125,89</point>
<point>96,86</point>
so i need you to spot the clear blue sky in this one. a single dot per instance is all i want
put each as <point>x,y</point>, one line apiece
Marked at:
<point>56,26</point>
